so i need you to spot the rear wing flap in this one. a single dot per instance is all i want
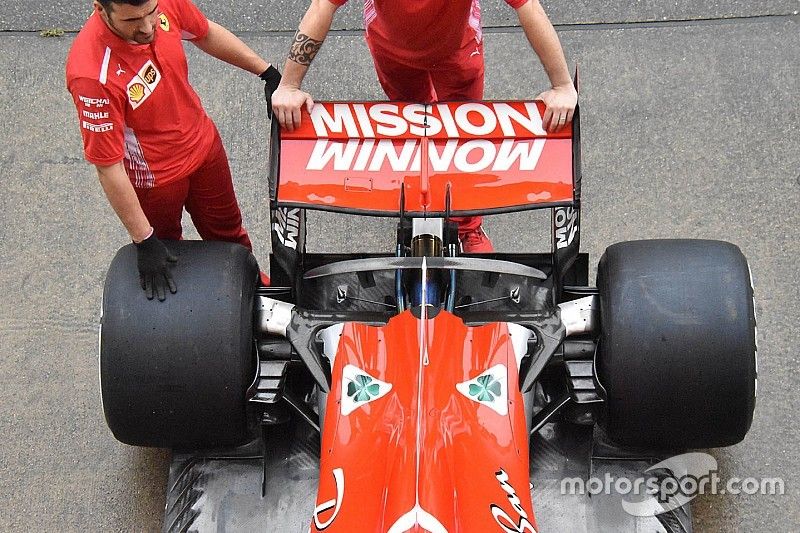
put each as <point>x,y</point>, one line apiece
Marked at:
<point>443,159</point>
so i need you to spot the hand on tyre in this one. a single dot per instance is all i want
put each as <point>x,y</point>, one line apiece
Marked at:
<point>560,102</point>
<point>154,262</point>
<point>287,102</point>
<point>271,78</point>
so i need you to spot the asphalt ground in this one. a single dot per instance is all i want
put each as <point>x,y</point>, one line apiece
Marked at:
<point>283,15</point>
<point>690,129</point>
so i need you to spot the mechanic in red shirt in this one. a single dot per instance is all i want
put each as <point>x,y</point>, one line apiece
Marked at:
<point>425,51</point>
<point>144,128</point>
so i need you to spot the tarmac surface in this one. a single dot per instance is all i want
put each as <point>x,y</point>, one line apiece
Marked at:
<point>690,129</point>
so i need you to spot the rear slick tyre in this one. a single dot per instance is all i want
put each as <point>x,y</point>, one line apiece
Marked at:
<point>677,353</point>
<point>174,373</point>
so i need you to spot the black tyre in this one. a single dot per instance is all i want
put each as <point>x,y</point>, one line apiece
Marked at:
<point>677,354</point>
<point>174,373</point>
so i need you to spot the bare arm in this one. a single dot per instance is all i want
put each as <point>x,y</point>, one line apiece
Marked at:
<point>153,259</point>
<point>562,98</point>
<point>289,99</point>
<point>225,46</point>
<point>123,199</point>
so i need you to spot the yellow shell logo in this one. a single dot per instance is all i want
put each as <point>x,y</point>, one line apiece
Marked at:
<point>163,21</point>
<point>136,92</point>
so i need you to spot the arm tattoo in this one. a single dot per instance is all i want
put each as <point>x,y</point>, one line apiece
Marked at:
<point>304,48</point>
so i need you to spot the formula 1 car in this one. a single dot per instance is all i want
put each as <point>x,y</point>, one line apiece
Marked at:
<point>420,388</point>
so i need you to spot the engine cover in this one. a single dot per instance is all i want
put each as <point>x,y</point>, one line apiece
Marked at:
<point>424,430</point>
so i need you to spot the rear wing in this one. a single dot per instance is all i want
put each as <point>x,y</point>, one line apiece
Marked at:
<point>441,159</point>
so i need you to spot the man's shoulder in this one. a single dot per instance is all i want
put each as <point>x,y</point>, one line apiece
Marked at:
<point>172,5</point>
<point>89,55</point>
<point>182,15</point>
<point>175,7</point>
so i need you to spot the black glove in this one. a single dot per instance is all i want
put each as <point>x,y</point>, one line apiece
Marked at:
<point>153,260</point>
<point>271,78</point>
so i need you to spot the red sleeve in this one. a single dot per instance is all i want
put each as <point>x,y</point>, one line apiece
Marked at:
<point>193,23</point>
<point>338,2</point>
<point>101,118</point>
<point>516,4</point>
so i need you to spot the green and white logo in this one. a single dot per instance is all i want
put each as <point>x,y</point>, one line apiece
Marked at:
<point>360,388</point>
<point>489,389</point>
<point>486,389</point>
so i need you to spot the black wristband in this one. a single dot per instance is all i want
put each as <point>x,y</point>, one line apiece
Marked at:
<point>271,77</point>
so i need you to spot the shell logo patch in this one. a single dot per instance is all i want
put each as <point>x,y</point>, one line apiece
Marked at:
<point>163,22</point>
<point>359,389</point>
<point>489,389</point>
<point>136,93</point>
<point>143,84</point>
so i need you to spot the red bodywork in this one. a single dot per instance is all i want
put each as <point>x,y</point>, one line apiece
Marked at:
<point>491,155</point>
<point>417,438</point>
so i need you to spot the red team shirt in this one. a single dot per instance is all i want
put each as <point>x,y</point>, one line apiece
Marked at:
<point>422,31</point>
<point>134,101</point>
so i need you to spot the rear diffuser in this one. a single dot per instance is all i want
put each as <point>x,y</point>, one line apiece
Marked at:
<point>221,490</point>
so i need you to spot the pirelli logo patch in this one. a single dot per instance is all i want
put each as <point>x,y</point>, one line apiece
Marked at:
<point>143,84</point>
<point>97,128</point>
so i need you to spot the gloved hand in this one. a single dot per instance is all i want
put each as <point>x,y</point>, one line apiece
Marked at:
<point>154,260</point>
<point>271,78</point>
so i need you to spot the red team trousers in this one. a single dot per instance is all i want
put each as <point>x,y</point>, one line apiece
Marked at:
<point>208,195</point>
<point>454,78</point>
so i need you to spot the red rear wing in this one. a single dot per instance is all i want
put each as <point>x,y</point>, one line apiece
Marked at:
<point>388,158</point>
